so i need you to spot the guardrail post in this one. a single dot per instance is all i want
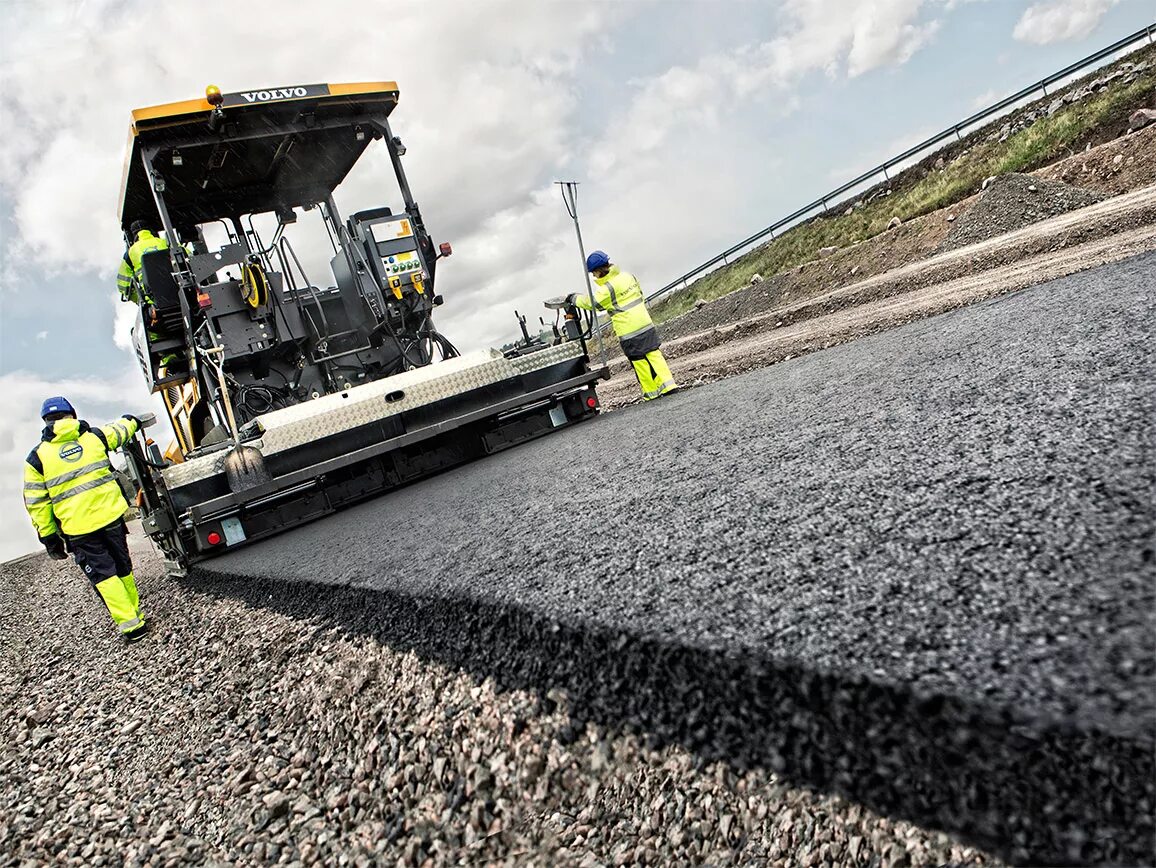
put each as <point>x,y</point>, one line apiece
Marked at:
<point>958,137</point>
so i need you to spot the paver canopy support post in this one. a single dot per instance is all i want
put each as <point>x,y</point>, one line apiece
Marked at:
<point>570,200</point>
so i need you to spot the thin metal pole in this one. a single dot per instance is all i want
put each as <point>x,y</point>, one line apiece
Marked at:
<point>398,169</point>
<point>570,199</point>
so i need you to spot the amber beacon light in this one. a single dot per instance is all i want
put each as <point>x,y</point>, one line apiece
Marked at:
<point>213,95</point>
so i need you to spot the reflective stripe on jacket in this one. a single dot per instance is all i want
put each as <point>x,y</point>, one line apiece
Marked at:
<point>68,481</point>
<point>619,294</point>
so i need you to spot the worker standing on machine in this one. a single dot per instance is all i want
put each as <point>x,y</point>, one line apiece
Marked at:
<point>128,280</point>
<point>76,503</point>
<point>620,295</point>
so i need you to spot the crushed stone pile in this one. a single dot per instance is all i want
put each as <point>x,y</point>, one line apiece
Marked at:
<point>1013,201</point>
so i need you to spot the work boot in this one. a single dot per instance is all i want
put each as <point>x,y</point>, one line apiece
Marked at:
<point>137,634</point>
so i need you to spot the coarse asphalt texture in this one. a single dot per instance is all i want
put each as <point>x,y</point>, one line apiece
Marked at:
<point>916,570</point>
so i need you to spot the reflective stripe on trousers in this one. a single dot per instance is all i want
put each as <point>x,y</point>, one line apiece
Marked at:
<point>654,376</point>
<point>662,389</point>
<point>129,626</point>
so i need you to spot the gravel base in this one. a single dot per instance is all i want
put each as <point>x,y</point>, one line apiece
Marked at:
<point>1013,201</point>
<point>240,735</point>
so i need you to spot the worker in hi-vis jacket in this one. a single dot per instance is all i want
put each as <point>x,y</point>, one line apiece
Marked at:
<point>76,503</point>
<point>128,280</point>
<point>620,295</point>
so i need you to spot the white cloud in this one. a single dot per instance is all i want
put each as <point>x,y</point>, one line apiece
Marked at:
<point>42,336</point>
<point>1060,20</point>
<point>488,121</point>
<point>829,36</point>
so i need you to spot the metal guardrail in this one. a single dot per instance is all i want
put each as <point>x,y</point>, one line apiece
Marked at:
<point>927,145</point>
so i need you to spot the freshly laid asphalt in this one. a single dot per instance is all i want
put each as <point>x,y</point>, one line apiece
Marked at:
<point>919,569</point>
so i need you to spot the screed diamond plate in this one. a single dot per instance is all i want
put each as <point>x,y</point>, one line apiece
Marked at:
<point>363,405</point>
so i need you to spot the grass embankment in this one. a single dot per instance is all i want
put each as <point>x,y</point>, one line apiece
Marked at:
<point>922,189</point>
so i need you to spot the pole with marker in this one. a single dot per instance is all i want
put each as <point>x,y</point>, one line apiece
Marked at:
<point>570,200</point>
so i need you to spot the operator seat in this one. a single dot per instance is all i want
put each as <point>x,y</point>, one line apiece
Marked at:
<point>157,276</point>
<point>159,285</point>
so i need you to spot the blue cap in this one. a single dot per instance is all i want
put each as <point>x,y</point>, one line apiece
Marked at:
<point>597,259</point>
<point>56,405</point>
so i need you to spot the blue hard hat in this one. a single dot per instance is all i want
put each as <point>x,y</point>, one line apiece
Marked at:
<point>56,405</point>
<point>597,259</point>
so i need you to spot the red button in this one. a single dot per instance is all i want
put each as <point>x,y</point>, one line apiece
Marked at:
<point>591,402</point>
<point>214,538</point>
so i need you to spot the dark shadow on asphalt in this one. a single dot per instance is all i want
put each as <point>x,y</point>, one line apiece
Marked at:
<point>1029,791</point>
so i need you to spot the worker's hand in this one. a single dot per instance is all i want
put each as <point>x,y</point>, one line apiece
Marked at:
<point>54,545</point>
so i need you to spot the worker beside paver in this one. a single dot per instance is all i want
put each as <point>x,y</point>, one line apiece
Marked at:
<point>620,295</point>
<point>76,504</point>
<point>128,277</point>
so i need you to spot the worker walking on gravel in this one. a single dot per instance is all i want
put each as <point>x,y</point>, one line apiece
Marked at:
<point>76,504</point>
<point>620,295</point>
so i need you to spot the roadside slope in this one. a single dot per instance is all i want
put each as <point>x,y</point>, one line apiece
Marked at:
<point>1085,113</point>
<point>1108,231</point>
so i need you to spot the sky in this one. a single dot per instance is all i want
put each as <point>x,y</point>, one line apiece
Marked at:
<point>689,124</point>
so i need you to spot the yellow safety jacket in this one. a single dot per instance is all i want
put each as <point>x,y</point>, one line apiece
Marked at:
<point>69,487</point>
<point>620,295</point>
<point>128,277</point>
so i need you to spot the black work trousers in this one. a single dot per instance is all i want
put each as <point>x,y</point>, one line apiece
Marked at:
<point>103,553</point>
